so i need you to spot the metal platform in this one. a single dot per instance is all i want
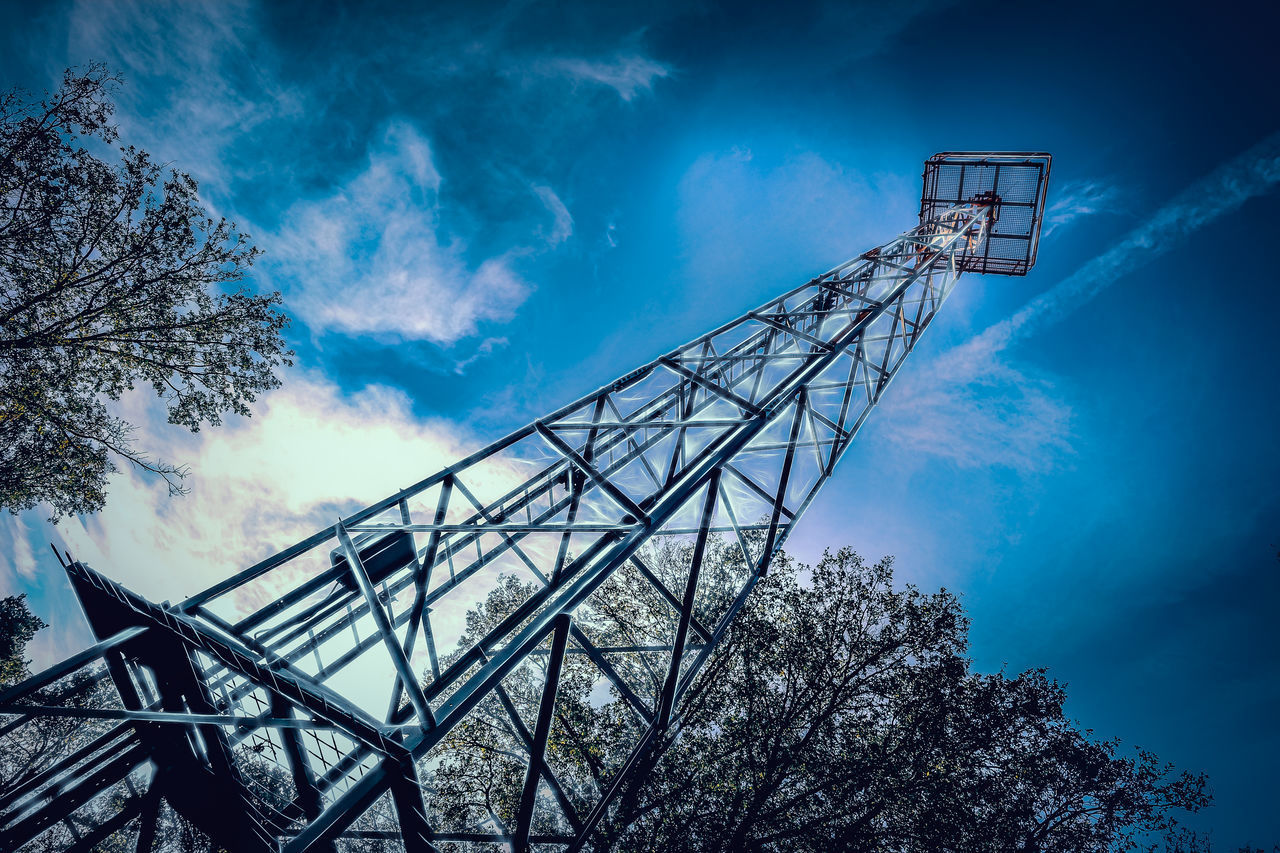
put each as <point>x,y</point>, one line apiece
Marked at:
<point>1014,182</point>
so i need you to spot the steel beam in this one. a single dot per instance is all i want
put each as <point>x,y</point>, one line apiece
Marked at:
<point>407,679</point>
<point>551,683</point>
<point>686,605</point>
<point>821,355</point>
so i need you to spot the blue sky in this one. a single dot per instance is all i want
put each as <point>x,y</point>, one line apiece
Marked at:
<point>479,211</point>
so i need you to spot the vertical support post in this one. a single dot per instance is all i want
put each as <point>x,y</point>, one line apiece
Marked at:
<point>406,795</point>
<point>802,402</point>
<point>419,615</point>
<point>556,788</point>
<point>150,814</point>
<point>524,816</point>
<point>677,447</point>
<point>686,604</point>
<point>589,452</point>
<point>398,660</point>
<point>299,766</point>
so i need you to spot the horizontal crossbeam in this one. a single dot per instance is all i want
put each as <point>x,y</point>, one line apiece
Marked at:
<point>644,463</point>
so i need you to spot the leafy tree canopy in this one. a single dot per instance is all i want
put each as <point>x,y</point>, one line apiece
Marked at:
<point>840,713</point>
<point>112,275</point>
<point>17,626</point>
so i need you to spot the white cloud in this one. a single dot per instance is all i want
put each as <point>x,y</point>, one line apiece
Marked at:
<point>487,346</point>
<point>309,455</point>
<point>198,77</point>
<point>1077,199</point>
<point>369,259</point>
<point>562,226</point>
<point>24,557</point>
<point>205,90</point>
<point>628,74</point>
<point>977,415</point>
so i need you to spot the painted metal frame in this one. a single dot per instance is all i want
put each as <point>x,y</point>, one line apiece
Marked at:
<point>730,435</point>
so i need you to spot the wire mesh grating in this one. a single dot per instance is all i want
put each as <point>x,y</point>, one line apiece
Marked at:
<point>1014,182</point>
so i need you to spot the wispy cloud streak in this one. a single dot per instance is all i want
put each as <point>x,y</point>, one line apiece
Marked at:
<point>628,74</point>
<point>562,220</point>
<point>200,80</point>
<point>975,408</point>
<point>1077,199</point>
<point>373,258</point>
<point>1254,173</point>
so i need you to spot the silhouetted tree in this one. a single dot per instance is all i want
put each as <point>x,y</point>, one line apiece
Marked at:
<point>839,714</point>
<point>17,626</point>
<point>28,748</point>
<point>111,275</point>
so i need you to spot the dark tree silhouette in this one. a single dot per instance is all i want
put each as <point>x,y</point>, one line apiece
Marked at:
<point>111,275</point>
<point>17,626</point>
<point>839,714</point>
<point>26,751</point>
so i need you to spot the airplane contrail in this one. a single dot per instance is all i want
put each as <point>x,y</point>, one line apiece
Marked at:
<point>1253,173</point>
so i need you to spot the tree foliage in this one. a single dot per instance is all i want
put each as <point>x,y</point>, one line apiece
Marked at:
<point>17,626</point>
<point>846,710</point>
<point>112,275</point>
<point>28,748</point>
<point>838,714</point>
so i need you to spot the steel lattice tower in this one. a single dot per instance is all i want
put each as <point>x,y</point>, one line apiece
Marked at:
<point>314,698</point>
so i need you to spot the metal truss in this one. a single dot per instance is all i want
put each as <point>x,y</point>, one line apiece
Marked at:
<point>308,702</point>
